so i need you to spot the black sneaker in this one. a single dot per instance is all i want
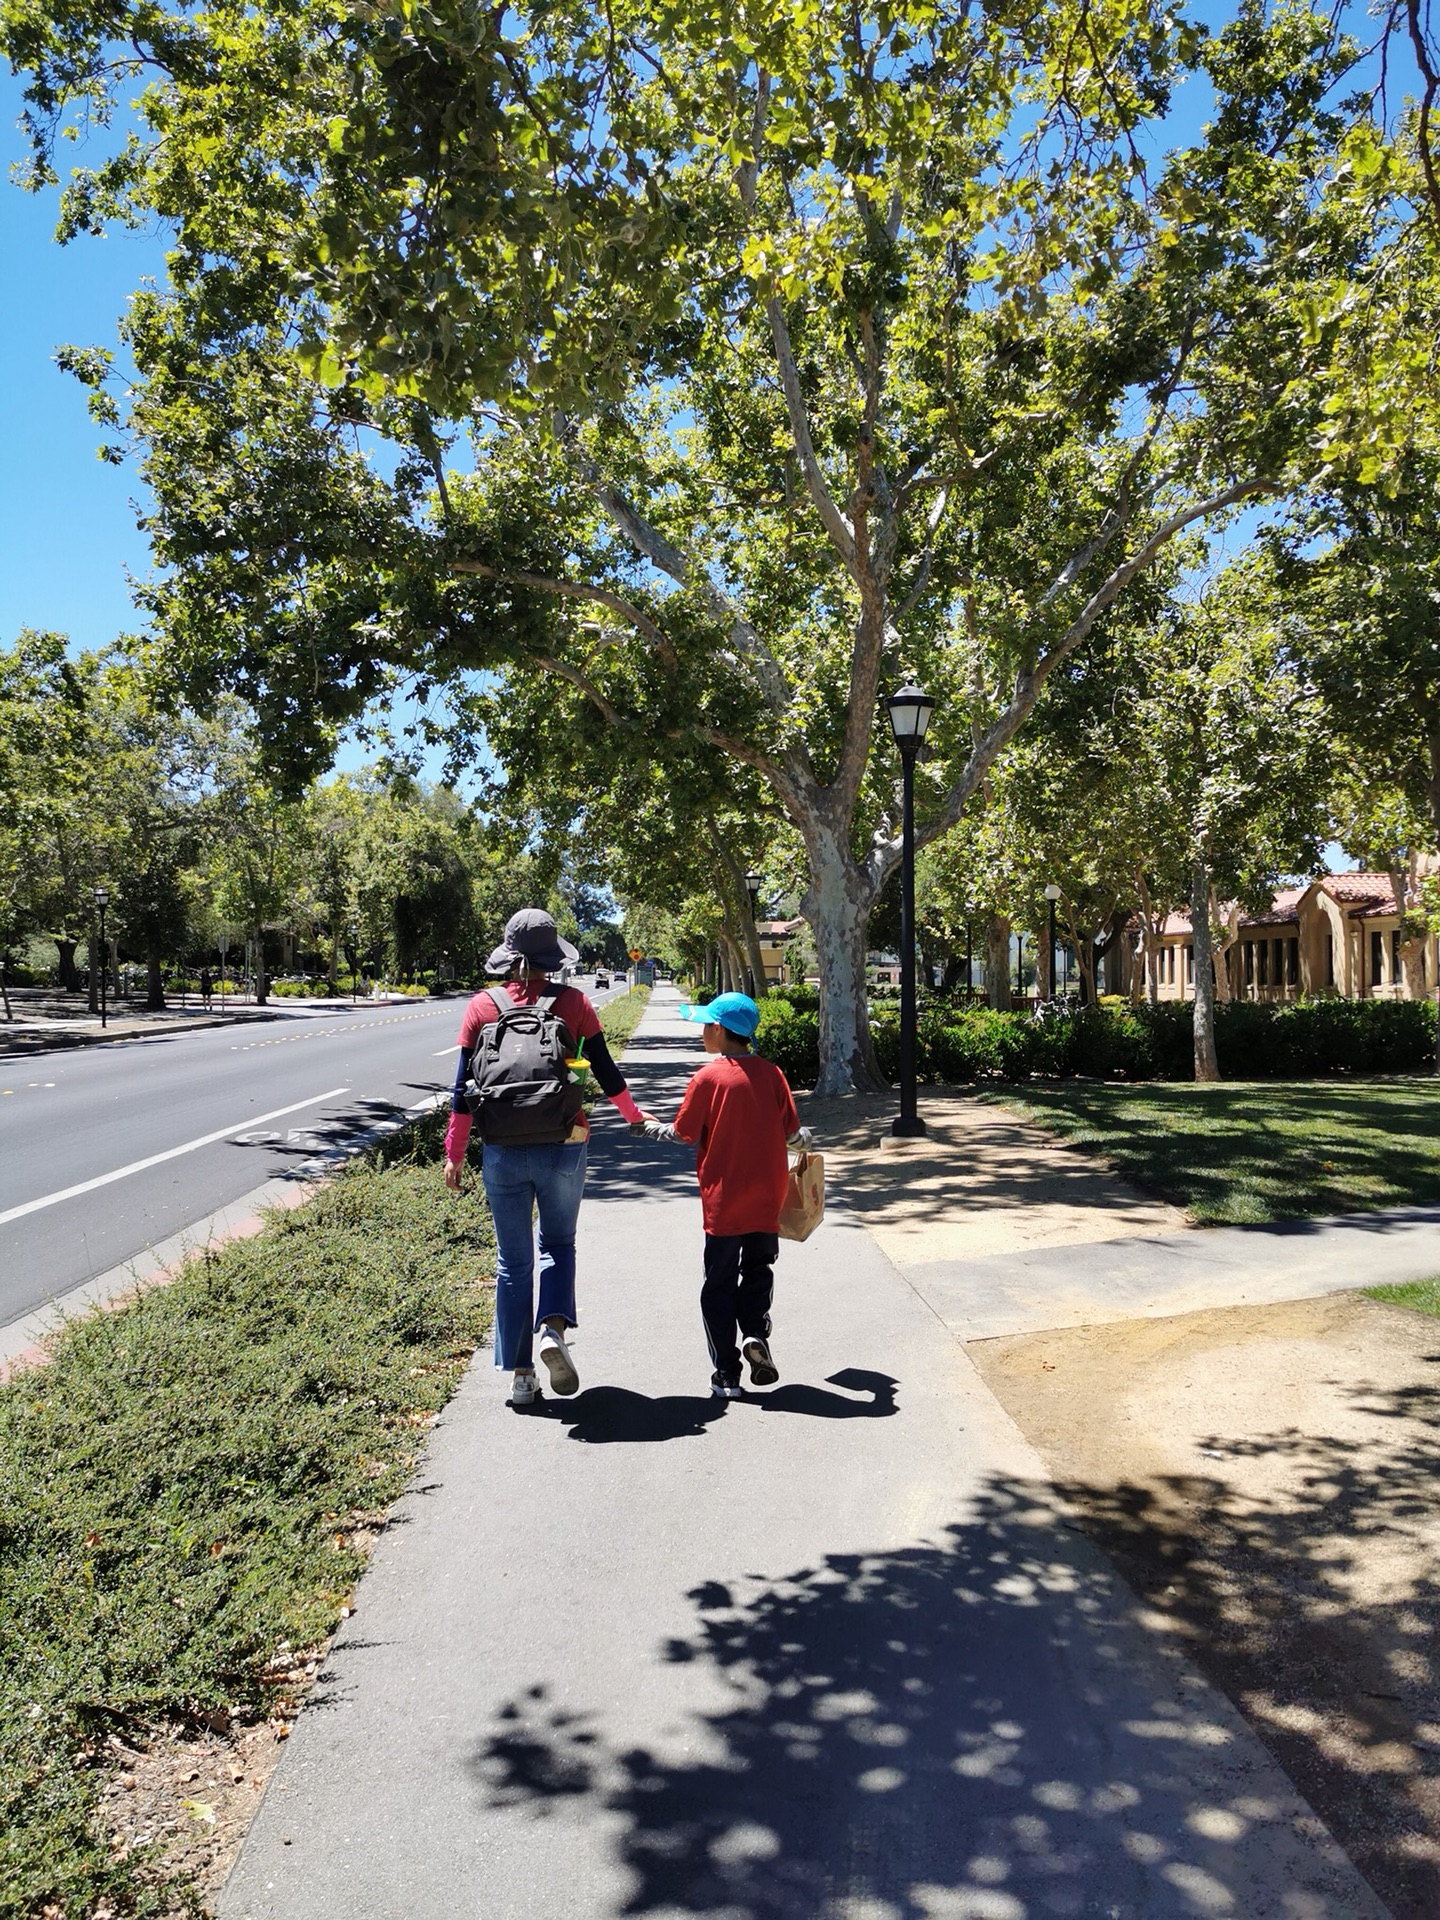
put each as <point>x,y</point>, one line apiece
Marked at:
<point>723,1388</point>
<point>763,1370</point>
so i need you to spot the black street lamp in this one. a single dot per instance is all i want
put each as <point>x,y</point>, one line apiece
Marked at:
<point>102,900</point>
<point>354,963</point>
<point>1052,894</point>
<point>910,712</point>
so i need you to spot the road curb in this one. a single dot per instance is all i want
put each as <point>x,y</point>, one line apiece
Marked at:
<point>24,1342</point>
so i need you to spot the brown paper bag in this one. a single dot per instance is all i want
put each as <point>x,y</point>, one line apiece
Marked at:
<point>804,1205</point>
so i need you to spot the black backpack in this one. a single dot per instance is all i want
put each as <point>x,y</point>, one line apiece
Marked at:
<point>520,1088</point>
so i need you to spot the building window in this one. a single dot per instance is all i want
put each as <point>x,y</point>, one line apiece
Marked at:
<point>1377,958</point>
<point>1395,955</point>
<point>1330,959</point>
<point>1249,963</point>
<point>1190,962</point>
<point>1293,950</point>
<point>1264,947</point>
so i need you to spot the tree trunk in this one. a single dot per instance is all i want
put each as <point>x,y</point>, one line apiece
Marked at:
<point>837,905</point>
<point>1045,961</point>
<point>730,964</point>
<point>69,978</point>
<point>1149,944</point>
<point>262,985</point>
<point>1207,1065</point>
<point>5,987</point>
<point>154,985</point>
<point>997,961</point>
<point>1083,946</point>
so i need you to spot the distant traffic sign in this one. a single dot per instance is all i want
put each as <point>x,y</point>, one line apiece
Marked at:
<point>635,954</point>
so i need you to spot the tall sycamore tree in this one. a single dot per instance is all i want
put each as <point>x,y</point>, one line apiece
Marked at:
<point>793,350</point>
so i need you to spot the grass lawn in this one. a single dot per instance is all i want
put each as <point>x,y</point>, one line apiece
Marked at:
<point>1421,1296</point>
<point>1262,1150</point>
<point>180,1489</point>
<point>619,1018</point>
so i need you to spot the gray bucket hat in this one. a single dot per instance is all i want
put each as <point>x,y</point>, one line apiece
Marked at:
<point>531,936</point>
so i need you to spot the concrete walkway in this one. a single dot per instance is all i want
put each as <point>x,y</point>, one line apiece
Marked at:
<point>833,1653</point>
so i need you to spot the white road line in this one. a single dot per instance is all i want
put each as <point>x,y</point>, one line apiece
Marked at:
<point>443,1051</point>
<point>172,1153</point>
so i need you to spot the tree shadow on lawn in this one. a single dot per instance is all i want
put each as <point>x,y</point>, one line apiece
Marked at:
<point>964,1729</point>
<point>1316,1607</point>
<point>1261,1151</point>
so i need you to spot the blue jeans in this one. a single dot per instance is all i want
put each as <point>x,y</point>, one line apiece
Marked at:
<point>519,1181</point>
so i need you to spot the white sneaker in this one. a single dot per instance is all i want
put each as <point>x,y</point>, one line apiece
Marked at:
<point>556,1355</point>
<point>523,1390</point>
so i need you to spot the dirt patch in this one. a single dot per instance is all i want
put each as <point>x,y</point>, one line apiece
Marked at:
<point>187,1796</point>
<point>982,1181</point>
<point>1266,1479</point>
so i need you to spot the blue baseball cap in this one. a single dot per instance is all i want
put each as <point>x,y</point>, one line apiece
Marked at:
<point>737,1011</point>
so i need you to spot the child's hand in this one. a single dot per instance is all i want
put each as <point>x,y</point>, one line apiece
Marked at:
<point>453,1170</point>
<point>804,1139</point>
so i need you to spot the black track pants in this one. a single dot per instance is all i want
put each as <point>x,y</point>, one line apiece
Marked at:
<point>739,1283</point>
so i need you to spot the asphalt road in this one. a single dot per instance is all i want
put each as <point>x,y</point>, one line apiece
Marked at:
<point>105,1151</point>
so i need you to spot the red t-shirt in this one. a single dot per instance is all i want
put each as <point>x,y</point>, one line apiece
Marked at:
<point>572,1009</point>
<point>737,1113</point>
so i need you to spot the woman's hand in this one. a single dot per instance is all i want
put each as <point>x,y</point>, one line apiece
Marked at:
<point>453,1170</point>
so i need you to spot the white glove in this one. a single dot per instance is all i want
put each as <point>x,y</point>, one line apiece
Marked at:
<point>804,1140</point>
<point>655,1130</point>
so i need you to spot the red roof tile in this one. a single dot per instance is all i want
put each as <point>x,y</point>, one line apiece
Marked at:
<point>1361,889</point>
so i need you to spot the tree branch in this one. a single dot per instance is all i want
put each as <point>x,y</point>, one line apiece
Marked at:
<point>575,590</point>
<point>841,537</point>
<point>652,545</point>
<point>611,714</point>
<point>1029,684</point>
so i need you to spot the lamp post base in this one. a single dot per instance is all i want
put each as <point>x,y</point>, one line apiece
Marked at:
<point>907,1128</point>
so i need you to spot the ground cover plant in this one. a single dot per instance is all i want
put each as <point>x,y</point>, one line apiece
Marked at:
<point>1421,1296</point>
<point>1243,1153</point>
<point>620,1017</point>
<point>181,1488</point>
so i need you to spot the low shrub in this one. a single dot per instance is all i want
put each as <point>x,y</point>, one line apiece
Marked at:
<point>790,1037</point>
<point>1305,1039</point>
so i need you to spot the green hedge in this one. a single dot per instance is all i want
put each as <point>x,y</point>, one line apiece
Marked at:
<point>1300,1040</point>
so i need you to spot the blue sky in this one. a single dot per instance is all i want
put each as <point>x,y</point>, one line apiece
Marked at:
<point>67,521</point>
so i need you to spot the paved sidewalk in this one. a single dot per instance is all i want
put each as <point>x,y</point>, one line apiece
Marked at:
<point>832,1653</point>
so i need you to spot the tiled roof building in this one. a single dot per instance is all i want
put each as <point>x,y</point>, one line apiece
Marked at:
<point>1339,934</point>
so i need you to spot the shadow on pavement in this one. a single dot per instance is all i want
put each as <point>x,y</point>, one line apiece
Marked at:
<point>1308,1591</point>
<point>951,1731</point>
<point>605,1414</point>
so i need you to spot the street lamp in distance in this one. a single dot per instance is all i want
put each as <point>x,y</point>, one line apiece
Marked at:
<point>910,710</point>
<point>102,900</point>
<point>1052,894</point>
<point>354,962</point>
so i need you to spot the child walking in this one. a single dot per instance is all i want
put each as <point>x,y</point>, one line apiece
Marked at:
<point>739,1116</point>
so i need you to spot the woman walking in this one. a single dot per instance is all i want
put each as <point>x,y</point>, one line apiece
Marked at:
<point>544,1174</point>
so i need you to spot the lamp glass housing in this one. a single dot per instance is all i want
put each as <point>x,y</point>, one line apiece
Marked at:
<point>102,896</point>
<point>1052,892</point>
<point>910,710</point>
